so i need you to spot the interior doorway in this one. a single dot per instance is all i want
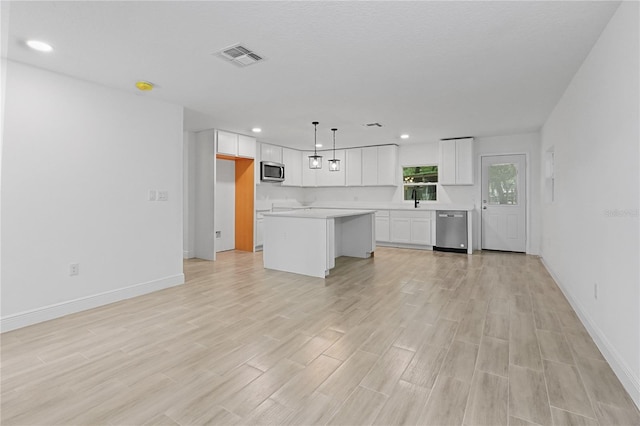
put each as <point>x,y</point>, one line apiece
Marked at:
<point>234,204</point>
<point>225,205</point>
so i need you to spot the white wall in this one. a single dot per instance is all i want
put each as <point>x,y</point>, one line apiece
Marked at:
<point>268,194</point>
<point>205,163</point>
<point>591,231</point>
<point>225,205</point>
<point>189,199</point>
<point>77,165</point>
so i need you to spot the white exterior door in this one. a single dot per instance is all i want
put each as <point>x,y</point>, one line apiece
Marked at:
<point>504,203</point>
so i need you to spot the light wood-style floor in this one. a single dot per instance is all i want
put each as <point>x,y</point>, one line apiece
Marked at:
<point>408,337</point>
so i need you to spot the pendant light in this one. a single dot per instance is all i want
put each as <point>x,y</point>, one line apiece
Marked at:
<point>315,160</point>
<point>334,163</point>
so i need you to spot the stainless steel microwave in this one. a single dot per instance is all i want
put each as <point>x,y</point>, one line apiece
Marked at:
<point>271,172</point>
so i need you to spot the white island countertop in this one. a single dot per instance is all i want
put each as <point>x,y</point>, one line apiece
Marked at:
<point>319,213</point>
<point>424,206</point>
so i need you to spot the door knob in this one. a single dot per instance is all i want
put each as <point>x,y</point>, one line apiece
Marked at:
<point>484,207</point>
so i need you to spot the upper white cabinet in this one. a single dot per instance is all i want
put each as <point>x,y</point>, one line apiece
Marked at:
<point>292,160</point>
<point>370,166</point>
<point>246,146</point>
<point>353,172</point>
<point>271,153</point>
<point>326,177</point>
<point>309,176</point>
<point>387,165</point>
<point>456,162</point>
<point>235,145</point>
<point>323,176</point>
<point>379,165</point>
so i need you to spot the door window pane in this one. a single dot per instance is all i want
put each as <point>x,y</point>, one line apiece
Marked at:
<point>503,184</point>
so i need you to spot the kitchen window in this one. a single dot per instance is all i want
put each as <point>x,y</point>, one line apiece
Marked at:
<point>422,179</point>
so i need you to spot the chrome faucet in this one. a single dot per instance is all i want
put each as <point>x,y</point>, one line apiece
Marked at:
<point>414,195</point>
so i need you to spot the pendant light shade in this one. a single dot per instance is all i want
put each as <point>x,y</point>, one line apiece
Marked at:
<point>315,160</point>
<point>334,163</point>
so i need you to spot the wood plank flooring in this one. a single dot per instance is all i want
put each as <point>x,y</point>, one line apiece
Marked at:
<point>406,337</point>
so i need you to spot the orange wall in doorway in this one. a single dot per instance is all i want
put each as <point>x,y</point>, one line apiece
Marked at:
<point>245,185</point>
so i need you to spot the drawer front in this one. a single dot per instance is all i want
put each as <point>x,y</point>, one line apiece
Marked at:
<point>418,214</point>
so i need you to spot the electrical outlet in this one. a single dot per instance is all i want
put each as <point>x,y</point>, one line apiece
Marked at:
<point>152,195</point>
<point>74,269</point>
<point>218,234</point>
<point>163,195</point>
<point>595,291</point>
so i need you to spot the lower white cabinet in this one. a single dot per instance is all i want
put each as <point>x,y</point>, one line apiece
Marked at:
<point>382,225</point>
<point>259,230</point>
<point>411,227</point>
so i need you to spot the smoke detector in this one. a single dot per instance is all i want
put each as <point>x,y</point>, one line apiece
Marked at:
<point>239,55</point>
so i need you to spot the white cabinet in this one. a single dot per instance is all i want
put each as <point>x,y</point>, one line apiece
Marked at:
<point>353,166</point>
<point>382,225</point>
<point>271,153</point>
<point>323,176</point>
<point>326,177</point>
<point>400,229</point>
<point>227,143</point>
<point>246,146</point>
<point>379,165</point>
<point>456,162</point>
<point>309,176</point>
<point>259,229</point>
<point>235,145</point>
<point>421,230</point>
<point>387,165</point>
<point>292,160</point>
<point>370,166</point>
<point>411,227</point>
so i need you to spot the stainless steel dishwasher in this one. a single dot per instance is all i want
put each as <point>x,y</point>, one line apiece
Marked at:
<point>451,231</point>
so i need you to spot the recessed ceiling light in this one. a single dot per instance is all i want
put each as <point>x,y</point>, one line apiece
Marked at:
<point>40,46</point>
<point>318,145</point>
<point>405,136</point>
<point>256,130</point>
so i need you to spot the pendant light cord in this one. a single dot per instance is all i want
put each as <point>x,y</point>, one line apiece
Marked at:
<point>334,143</point>
<point>315,138</point>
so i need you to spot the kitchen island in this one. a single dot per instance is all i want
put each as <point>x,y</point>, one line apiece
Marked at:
<point>307,241</point>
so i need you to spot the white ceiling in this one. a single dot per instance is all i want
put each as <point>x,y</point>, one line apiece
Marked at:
<point>429,69</point>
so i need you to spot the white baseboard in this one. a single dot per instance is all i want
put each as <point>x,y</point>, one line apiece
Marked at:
<point>403,245</point>
<point>625,374</point>
<point>188,254</point>
<point>23,319</point>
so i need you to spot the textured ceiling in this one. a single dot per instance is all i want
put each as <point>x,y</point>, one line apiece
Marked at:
<point>430,69</point>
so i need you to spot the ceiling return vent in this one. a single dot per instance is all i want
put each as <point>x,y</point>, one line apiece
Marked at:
<point>240,55</point>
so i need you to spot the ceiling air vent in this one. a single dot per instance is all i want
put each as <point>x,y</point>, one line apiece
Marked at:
<point>239,55</point>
